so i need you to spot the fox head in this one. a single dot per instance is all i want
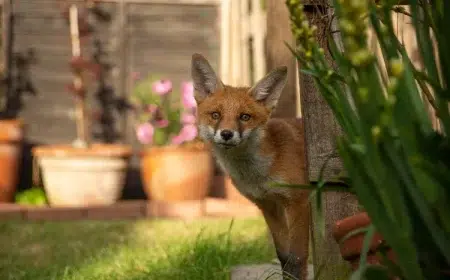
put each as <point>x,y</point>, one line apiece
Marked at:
<point>231,116</point>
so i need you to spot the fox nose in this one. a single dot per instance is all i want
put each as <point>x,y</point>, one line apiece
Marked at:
<point>226,134</point>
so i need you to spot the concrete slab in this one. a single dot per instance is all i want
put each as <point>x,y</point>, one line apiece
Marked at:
<point>262,272</point>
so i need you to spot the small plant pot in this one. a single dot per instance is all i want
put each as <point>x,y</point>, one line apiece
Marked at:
<point>11,136</point>
<point>177,173</point>
<point>83,176</point>
<point>351,247</point>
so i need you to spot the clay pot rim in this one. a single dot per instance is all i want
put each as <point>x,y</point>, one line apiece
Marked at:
<point>14,123</point>
<point>199,147</point>
<point>351,248</point>
<point>348,224</point>
<point>94,150</point>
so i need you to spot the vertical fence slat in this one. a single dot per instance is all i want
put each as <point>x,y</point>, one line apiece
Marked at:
<point>244,47</point>
<point>258,30</point>
<point>225,41</point>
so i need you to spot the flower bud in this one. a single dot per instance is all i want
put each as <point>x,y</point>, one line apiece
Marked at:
<point>376,131</point>
<point>397,67</point>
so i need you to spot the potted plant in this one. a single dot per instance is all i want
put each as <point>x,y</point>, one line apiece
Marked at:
<point>175,164</point>
<point>11,127</point>
<point>82,173</point>
<point>397,162</point>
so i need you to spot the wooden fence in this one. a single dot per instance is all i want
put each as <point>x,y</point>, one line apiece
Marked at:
<point>242,41</point>
<point>143,36</point>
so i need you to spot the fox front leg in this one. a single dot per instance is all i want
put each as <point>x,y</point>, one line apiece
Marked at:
<point>298,220</point>
<point>274,215</point>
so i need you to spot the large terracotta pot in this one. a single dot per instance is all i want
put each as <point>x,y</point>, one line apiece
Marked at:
<point>176,173</point>
<point>11,136</point>
<point>83,176</point>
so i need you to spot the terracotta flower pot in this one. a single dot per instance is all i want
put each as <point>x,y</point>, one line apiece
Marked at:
<point>11,136</point>
<point>351,248</point>
<point>81,177</point>
<point>176,173</point>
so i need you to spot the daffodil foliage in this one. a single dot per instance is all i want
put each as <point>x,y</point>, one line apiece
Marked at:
<point>397,162</point>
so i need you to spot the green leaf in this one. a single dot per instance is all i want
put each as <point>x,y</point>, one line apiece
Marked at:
<point>425,214</point>
<point>310,73</point>
<point>34,196</point>
<point>375,272</point>
<point>353,233</point>
<point>160,137</point>
<point>422,28</point>
<point>366,245</point>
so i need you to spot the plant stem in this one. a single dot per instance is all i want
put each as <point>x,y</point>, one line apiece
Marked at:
<point>80,117</point>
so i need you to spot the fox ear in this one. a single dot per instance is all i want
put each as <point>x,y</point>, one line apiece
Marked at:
<point>205,79</point>
<point>268,89</point>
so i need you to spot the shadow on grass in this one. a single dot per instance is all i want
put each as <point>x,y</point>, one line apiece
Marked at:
<point>130,250</point>
<point>47,250</point>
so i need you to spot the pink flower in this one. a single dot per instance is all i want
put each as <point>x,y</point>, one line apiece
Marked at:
<point>177,140</point>
<point>187,95</point>
<point>162,87</point>
<point>187,133</point>
<point>187,118</point>
<point>161,123</point>
<point>145,132</point>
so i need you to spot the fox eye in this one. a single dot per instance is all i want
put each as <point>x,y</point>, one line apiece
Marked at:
<point>244,117</point>
<point>215,115</point>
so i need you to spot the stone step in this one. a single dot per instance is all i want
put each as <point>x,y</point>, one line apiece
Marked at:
<point>262,272</point>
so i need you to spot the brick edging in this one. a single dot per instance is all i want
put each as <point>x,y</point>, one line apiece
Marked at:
<point>131,209</point>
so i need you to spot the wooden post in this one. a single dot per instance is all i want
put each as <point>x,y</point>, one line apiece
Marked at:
<point>279,32</point>
<point>321,130</point>
<point>78,83</point>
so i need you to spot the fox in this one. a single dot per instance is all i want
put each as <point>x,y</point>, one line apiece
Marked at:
<point>257,150</point>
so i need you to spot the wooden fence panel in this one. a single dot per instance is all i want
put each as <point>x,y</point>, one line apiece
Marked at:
<point>40,26</point>
<point>161,39</point>
<point>143,36</point>
<point>154,38</point>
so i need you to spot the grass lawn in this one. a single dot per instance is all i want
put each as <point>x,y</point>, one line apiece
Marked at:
<point>131,250</point>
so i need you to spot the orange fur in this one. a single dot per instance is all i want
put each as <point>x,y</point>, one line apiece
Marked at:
<point>258,151</point>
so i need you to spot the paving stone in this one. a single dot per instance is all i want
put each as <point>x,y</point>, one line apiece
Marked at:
<point>261,272</point>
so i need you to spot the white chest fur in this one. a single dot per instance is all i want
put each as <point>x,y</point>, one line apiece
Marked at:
<point>248,170</point>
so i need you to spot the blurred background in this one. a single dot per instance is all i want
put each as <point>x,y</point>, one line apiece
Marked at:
<point>131,39</point>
